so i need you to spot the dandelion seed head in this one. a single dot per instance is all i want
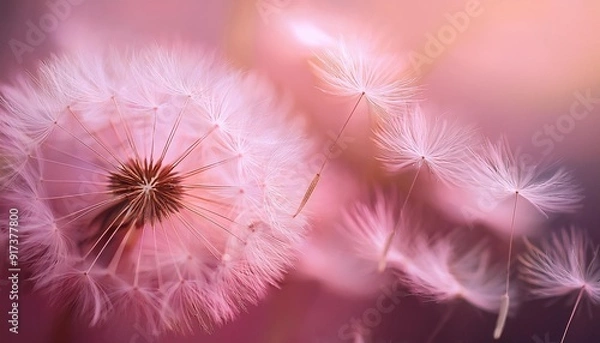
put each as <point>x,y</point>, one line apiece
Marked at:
<point>156,180</point>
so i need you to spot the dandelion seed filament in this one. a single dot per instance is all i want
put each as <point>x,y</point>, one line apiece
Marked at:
<point>579,296</point>
<point>317,177</point>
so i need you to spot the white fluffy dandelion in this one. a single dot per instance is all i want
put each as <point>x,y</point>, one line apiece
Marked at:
<point>565,264</point>
<point>154,182</point>
<point>497,172</point>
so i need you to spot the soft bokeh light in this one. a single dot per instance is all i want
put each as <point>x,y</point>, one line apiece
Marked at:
<point>310,34</point>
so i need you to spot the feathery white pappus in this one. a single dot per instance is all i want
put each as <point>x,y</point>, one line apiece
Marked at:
<point>154,181</point>
<point>564,263</point>
<point>354,67</point>
<point>495,171</point>
<point>414,140</point>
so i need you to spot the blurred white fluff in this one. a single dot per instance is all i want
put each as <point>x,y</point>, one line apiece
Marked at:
<point>442,271</point>
<point>368,227</point>
<point>436,269</point>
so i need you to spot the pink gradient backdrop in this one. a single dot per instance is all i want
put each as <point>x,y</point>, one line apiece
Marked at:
<point>514,69</point>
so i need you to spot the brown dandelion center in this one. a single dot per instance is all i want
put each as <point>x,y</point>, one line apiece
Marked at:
<point>149,191</point>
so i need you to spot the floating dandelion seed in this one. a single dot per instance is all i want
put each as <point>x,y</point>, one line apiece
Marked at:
<point>154,182</point>
<point>565,264</point>
<point>497,172</point>
<point>414,141</point>
<point>355,69</point>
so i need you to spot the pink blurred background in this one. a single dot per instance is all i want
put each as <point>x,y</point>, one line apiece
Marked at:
<point>518,68</point>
